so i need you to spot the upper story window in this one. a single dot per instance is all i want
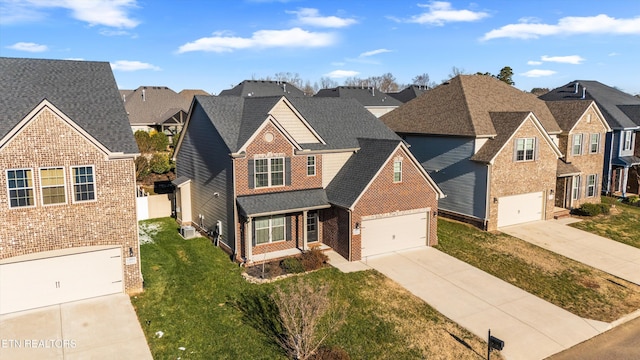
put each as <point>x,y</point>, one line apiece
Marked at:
<point>576,149</point>
<point>311,165</point>
<point>84,185</point>
<point>525,149</point>
<point>397,171</point>
<point>52,186</point>
<point>20,185</point>
<point>627,144</point>
<point>269,172</point>
<point>594,144</point>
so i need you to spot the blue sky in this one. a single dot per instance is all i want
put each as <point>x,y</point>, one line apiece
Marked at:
<point>213,45</point>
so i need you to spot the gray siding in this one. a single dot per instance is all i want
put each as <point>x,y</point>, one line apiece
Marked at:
<point>464,181</point>
<point>610,153</point>
<point>204,158</point>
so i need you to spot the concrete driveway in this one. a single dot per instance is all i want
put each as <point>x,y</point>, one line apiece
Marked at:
<point>596,251</point>
<point>101,328</point>
<point>530,327</point>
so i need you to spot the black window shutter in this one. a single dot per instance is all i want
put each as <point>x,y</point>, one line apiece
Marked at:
<point>253,232</point>
<point>251,174</point>
<point>287,171</point>
<point>287,225</point>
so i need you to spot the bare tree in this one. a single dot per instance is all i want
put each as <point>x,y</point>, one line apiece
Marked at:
<point>308,89</point>
<point>387,83</point>
<point>327,83</point>
<point>456,71</point>
<point>307,317</point>
<point>291,78</point>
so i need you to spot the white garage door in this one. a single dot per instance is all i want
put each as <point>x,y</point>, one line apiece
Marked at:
<point>393,233</point>
<point>519,209</point>
<point>54,280</point>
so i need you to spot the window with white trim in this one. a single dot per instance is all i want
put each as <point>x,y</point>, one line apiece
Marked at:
<point>20,186</point>
<point>269,172</point>
<point>269,229</point>
<point>311,165</point>
<point>52,186</point>
<point>84,185</point>
<point>576,149</point>
<point>594,144</point>
<point>397,171</point>
<point>627,143</point>
<point>575,188</point>
<point>591,185</point>
<point>525,149</point>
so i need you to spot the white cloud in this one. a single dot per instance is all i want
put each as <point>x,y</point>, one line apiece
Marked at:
<point>614,54</point>
<point>295,37</point>
<point>532,62</point>
<point>310,16</point>
<point>571,25</point>
<point>374,52</point>
<point>441,12</point>
<point>126,65</point>
<point>28,46</point>
<point>571,59</point>
<point>339,74</point>
<point>538,73</point>
<point>112,13</point>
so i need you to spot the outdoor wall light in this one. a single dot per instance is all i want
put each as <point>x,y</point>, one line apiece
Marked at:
<point>551,192</point>
<point>495,200</point>
<point>357,225</point>
<point>130,252</point>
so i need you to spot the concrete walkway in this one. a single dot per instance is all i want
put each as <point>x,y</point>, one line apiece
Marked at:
<point>596,251</point>
<point>530,327</point>
<point>100,328</point>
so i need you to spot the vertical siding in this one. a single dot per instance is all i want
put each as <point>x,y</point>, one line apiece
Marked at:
<point>204,158</point>
<point>610,152</point>
<point>331,164</point>
<point>446,159</point>
<point>288,119</point>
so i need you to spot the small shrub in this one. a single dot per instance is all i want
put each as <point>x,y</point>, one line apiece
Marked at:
<point>142,167</point>
<point>160,163</point>
<point>313,259</point>
<point>589,209</point>
<point>292,265</point>
<point>330,353</point>
<point>633,200</point>
<point>272,270</point>
<point>159,141</point>
<point>144,141</point>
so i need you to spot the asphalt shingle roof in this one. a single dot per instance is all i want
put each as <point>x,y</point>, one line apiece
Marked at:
<point>365,96</point>
<point>506,123</point>
<point>567,113</point>
<point>260,88</point>
<point>620,110</point>
<point>286,201</point>
<point>565,169</point>
<point>408,93</point>
<point>85,91</point>
<point>150,105</point>
<point>462,106</point>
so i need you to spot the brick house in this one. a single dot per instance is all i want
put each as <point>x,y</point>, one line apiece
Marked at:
<point>491,148</point>
<point>269,177</point>
<point>67,201</point>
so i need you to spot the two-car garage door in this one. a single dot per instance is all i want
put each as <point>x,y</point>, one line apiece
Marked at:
<point>393,233</point>
<point>519,209</point>
<point>61,278</point>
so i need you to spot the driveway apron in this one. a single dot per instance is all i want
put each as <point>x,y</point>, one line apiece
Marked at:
<point>530,327</point>
<point>596,251</point>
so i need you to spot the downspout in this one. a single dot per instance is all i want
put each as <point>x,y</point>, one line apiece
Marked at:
<point>235,211</point>
<point>350,232</point>
<point>487,197</point>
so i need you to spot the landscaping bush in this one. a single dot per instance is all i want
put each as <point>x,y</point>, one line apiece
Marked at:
<point>633,200</point>
<point>159,141</point>
<point>160,163</point>
<point>330,353</point>
<point>272,270</point>
<point>589,209</point>
<point>313,259</point>
<point>292,265</point>
<point>143,139</point>
<point>142,167</point>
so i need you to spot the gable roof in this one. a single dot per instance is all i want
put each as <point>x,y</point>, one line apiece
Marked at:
<point>462,106</point>
<point>260,88</point>
<point>567,113</point>
<point>409,93</point>
<point>339,122</point>
<point>85,91</point>
<point>153,105</point>
<point>365,96</point>
<point>620,110</point>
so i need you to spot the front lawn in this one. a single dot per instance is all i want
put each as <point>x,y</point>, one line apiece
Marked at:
<point>622,224</point>
<point>580,289</point>
<point>196,305</point>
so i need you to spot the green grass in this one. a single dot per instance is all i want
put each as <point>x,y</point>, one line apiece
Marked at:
<point>580,289</point>
<point>622,225</point>
<point>197,297</point>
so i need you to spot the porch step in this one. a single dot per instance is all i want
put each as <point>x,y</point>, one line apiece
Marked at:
<point>560,213</point>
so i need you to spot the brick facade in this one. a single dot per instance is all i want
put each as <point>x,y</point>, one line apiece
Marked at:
<point>48,141</point>
<point>513,178</point>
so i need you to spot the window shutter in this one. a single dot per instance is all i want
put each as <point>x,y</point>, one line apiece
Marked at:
<point>535,148</point>
<point>579,186</point>
<point>515,150</point>
<point>596,191</point>
<point>287,225</point>
<point>599,139</point>
<point>584,143</point>
<point>287,171</point>
<point>251,174</point>
<point>253,232</point>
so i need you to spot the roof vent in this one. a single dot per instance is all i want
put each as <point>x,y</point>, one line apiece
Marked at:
<point>576,90</point>
<point>143,97</point>
<point>584,92</point>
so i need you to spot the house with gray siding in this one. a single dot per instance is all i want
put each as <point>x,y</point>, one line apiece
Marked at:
<point>269,177</point>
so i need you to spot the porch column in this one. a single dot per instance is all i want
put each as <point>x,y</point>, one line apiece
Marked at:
<point>625,177</point>
<point>304,230</point>
<point>248,240</point>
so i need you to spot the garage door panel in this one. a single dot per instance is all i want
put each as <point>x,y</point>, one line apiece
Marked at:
<point>519,209</point>
<point>43,282</point>
<point>393,233</point>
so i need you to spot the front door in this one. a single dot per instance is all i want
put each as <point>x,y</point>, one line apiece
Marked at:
<point>312,226</point>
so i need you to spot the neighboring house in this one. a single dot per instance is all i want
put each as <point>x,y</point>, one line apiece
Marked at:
<point>489,146</point>
<point>409,93</point>
<point>377,102</point>
<point>622,113</point>
<point>158,108</point>
<point>584,130</point>
<point>260,88</point>
<point>270,177</point>
<point>67,199</point>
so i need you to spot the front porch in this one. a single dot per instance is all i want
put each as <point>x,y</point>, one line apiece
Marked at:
<point>561,213</point>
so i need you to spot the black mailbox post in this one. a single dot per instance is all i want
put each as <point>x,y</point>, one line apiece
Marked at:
<point>493,343</point>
